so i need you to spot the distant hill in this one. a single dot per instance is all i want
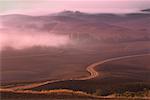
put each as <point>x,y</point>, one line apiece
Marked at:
<point>146,10</point>
<point>83,27</point>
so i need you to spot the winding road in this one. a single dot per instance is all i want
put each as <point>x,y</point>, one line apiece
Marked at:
<point>90,69</point>
<point>94,73</point>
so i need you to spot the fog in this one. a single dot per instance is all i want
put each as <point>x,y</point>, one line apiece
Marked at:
<point>22,40</point>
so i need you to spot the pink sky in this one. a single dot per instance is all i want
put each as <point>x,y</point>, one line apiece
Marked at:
<point>50,6</point>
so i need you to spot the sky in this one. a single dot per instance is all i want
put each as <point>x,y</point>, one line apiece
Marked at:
<point>51,6</point>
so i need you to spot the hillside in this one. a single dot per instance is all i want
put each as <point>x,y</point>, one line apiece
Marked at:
<point>84,27</point>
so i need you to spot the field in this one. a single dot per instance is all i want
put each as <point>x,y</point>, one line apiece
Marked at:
<point>65,63</point>
<point>115,77</point>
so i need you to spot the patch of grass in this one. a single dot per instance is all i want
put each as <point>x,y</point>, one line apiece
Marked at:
<point>135,94</point>
<point>134,90</point>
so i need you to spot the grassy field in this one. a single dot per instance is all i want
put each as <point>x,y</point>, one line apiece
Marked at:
<point>120,79</point>
<point>50,64</point>
<point>115,77</point>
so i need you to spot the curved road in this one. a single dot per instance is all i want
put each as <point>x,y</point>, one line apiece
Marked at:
<point>94,73</point>
<point>90,69</point>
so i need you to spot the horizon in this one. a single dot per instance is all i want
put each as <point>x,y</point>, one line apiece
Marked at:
<point>74,11</point>
<point>42,7</point>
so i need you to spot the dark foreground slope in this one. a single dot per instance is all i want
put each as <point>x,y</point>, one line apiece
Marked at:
<point>54,94</point>
<point>59,95</point>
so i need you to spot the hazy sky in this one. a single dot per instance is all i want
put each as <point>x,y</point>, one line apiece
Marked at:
<point>50,6</point>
